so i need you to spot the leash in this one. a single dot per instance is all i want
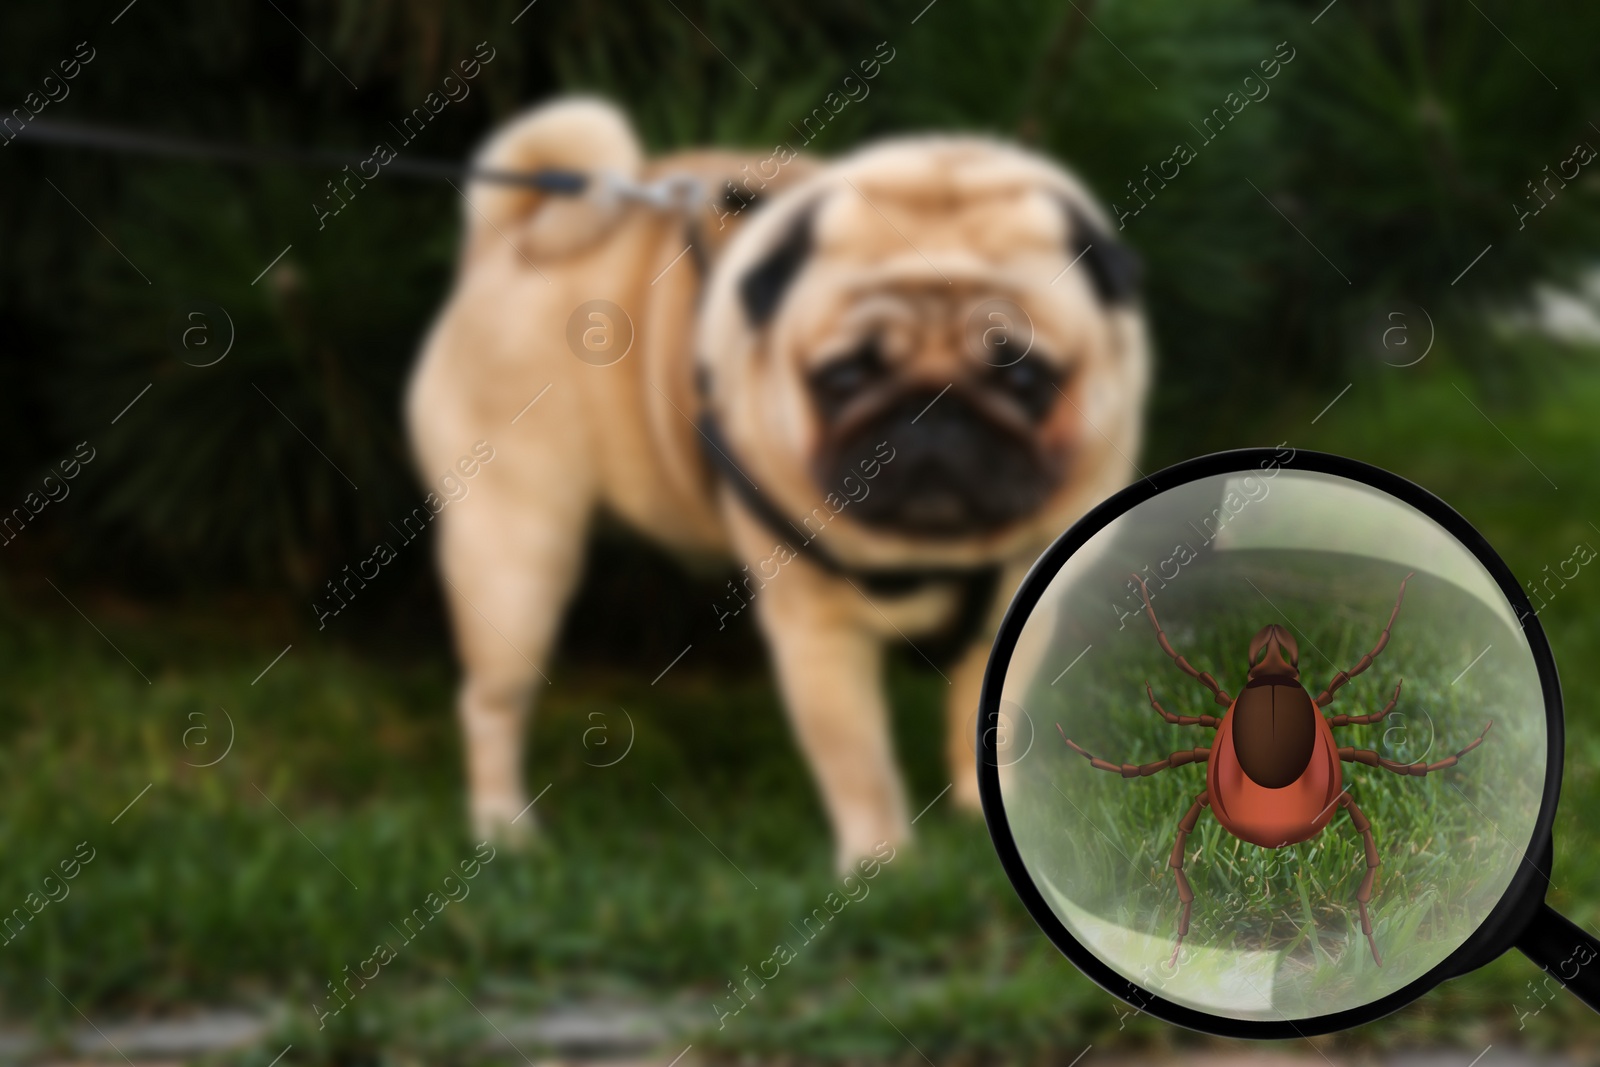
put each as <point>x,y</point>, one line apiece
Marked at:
<point>673,192</point>
<point>976,585</point>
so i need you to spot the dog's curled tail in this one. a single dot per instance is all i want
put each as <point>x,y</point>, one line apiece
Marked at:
<point>581,134</point>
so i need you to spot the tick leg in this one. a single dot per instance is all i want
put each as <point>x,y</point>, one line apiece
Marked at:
<point>1372,759</point>
<point>1364,720</point>
<point>1166,646</point>
<point>1366,661</point>
<point>1175,861</point>
<point>1181,720</point>
<point>1129,770</point>
<point>1364,894</point>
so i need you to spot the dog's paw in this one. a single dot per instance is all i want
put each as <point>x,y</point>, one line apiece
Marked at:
<point>505,826</point>
<point>857,855</point>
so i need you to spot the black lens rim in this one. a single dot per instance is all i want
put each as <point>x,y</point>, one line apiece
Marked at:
<point>1505,920</point>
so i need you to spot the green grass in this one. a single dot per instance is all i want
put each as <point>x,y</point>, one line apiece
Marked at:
<point>204,892</point>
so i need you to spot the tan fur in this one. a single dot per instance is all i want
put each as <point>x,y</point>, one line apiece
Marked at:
<point>909,233</point>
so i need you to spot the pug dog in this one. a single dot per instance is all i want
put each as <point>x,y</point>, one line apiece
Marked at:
<point>879,385</point>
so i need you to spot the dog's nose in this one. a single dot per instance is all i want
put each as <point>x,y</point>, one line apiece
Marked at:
<point>955,472</point>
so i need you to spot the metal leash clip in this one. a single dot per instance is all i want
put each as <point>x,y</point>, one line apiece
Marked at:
<point>675,192</point>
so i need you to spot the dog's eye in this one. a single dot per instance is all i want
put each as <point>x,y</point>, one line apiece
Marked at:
<point>1031,382</point>
<point>837,383</point>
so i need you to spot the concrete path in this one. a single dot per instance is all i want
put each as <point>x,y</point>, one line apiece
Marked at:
<point>609,1036</point>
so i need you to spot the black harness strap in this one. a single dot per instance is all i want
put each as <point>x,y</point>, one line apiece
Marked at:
<point>977,585</point>
<point>695,234</point>
<point>978,590</point>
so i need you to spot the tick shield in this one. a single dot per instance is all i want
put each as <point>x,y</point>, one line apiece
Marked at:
<point>1298,748</point>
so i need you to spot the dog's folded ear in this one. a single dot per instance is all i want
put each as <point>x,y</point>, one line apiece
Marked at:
<point>763,286</point>
<point>581,135</point>
<point>1116,270</point>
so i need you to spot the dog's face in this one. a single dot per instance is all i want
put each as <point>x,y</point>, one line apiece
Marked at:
<point>953,304</point>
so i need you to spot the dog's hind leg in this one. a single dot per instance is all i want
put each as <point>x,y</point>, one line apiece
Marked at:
<point>509,565</point>
<point>1015,734</point>
<point>961,724</point>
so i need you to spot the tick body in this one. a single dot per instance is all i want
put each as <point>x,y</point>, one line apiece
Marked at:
<point>1274,769</point>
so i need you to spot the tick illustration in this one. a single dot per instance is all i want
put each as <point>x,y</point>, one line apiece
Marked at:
<point>1273,771</point>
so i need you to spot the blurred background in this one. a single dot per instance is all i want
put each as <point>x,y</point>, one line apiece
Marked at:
<point>1392,255</point>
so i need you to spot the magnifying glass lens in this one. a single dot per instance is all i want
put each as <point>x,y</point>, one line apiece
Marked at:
<point>1289,743</point>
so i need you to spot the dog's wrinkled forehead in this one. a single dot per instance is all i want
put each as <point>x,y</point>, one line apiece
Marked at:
<point>991,226</point>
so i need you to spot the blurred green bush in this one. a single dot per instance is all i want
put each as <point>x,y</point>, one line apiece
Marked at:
<point>1391,150</point>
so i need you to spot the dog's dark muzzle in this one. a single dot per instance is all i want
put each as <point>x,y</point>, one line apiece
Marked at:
<point>955,470</point>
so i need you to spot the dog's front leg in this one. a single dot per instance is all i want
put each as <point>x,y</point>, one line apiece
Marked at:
<point>830,667</point>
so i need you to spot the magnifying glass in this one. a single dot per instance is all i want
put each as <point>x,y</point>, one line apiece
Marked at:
<point>1270,744</point>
